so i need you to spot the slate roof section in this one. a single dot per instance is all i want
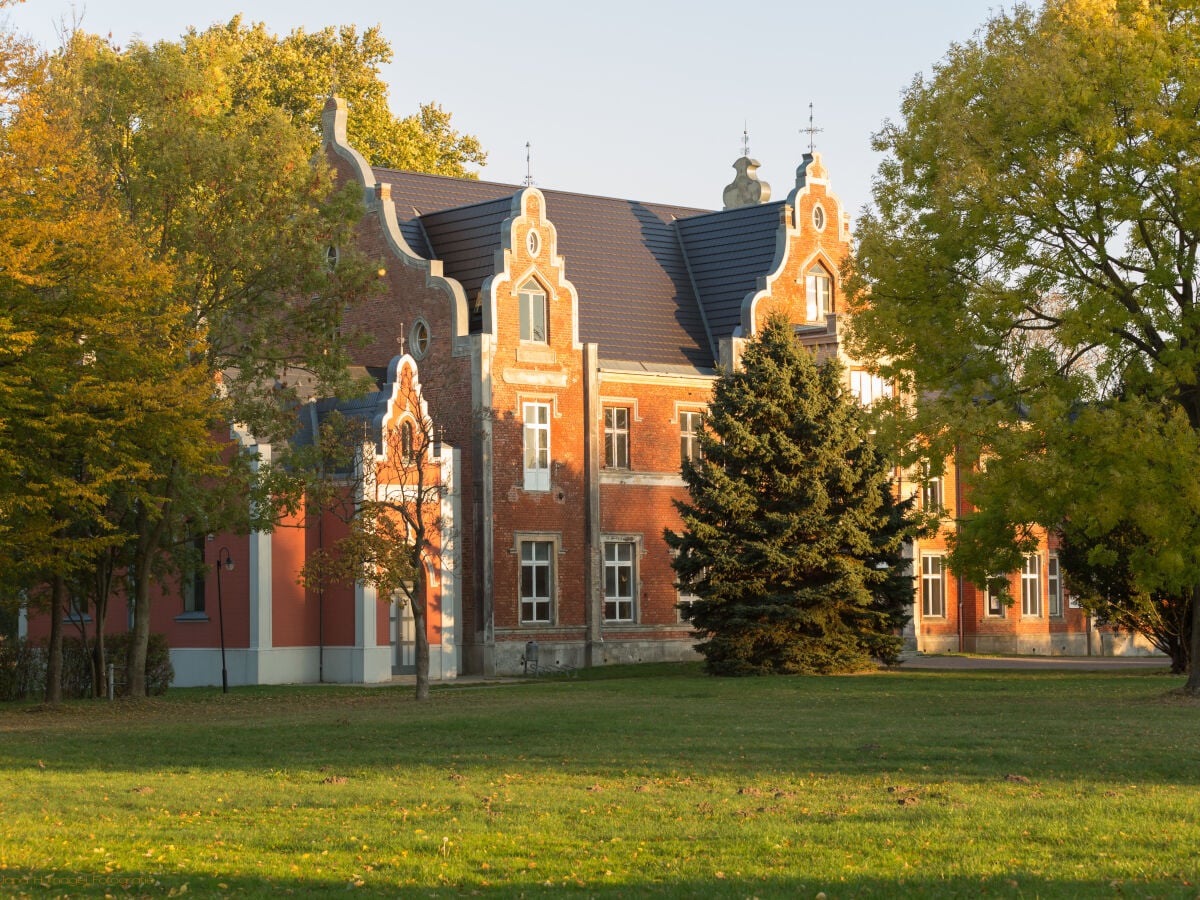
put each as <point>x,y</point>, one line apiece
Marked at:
<point>466,238</point>
<point>728,252</point>
<point>627,260</point>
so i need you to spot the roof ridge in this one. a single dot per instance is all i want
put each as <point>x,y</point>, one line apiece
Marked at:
<point>518,187</point>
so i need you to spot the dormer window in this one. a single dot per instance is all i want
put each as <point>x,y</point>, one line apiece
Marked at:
<point>533,313</point>
<point>818,294</point>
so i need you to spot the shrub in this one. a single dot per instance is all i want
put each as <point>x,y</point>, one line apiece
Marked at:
<point>23,666</point>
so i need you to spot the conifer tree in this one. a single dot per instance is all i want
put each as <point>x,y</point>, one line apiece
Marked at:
<point>792,537</point>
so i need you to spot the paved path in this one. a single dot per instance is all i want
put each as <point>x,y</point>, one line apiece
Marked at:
<point>1045,663</point>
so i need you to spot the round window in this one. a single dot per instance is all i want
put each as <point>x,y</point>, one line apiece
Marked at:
<point>818,218</point>
<point>418,338</point>
<point>533,242</point>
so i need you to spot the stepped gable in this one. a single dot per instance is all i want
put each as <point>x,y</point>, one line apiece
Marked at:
<point>729,251</point>
<point>624,258</point>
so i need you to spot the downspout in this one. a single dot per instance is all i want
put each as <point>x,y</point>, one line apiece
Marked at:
<point>312,414</point>
<point>321,607</point>
<point>958,578</point>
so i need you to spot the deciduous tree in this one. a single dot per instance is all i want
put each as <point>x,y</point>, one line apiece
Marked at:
<point>388,489</point>
<point>297,73</point>
<point>1030,271</point>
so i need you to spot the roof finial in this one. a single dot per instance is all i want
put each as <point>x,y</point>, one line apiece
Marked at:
<point>400,340</point>
<point>528,166</point>
<point>811,130</point>
<point>745,139</point>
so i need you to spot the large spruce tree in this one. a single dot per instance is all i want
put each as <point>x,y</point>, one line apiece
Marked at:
<point>792,537</point>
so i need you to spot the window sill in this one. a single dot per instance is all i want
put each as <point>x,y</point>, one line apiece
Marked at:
<point>192,617</point>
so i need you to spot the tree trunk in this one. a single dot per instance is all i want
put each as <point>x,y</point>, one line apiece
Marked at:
<point>420,611</point>
<point>99,670</point>
<point>1193,682</point>
<point>135,675</point>
<point>54,657</point>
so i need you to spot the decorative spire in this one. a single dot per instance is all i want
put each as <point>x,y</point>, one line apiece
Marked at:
<point>528,165</point>
<point>746,189</point>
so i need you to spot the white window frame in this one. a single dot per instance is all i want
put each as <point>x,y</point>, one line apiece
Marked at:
<point>621,606</point>
<point>691,421</point>
<point>1031,585</point>
<point>616,437</point>
<point>1054,591</point>
<point>992,604</point>
<point>868,387</point>
<point>535,416</point>
<point>534,606</point>
<point>933,578</point>
<point>534,305</point>
<point>818,293</point>
<point>931,494</point>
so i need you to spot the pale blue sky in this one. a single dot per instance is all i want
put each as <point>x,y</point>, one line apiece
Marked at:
<point>644,99</point>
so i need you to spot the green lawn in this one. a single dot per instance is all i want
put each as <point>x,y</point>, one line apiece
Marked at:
<point>662,782</point>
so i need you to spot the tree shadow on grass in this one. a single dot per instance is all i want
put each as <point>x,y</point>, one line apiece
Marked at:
<point>395,883</point>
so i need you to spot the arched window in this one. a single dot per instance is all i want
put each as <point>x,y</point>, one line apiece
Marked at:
<point>818,294</point>
<point>533,313</point>
<point>406,442</point>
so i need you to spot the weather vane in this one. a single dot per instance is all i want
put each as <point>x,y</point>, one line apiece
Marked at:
<point>746,140</point>
<point>811,130</point>
<point>528,166</point>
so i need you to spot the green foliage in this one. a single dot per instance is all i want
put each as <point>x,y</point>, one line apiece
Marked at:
<point>297,72</point>
<point>1030,272</point>
<point>1101,577</point>
<point>792,537</point>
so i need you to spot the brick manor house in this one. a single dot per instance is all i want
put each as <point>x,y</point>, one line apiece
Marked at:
<point>565,346</point>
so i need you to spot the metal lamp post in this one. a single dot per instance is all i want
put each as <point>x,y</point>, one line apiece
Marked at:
<point>224,560</point>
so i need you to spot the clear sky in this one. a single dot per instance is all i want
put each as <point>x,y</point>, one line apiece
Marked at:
<point>645,99</point>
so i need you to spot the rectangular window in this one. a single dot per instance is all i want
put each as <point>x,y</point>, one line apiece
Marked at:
<point>533,314</point>
<point>193,581</point>
<point>1054,587</point>
<point>933,587</point>
<point>1054,597</point>
<point>992,602</point>
<point>1031,585</point>
<point>616,437</point>
<point>618,581</point>
<point>818,291</point>
<point>868,388</point>
<point>690,423</point>
<point>537,446</point>
<point>537,577</point>
<point>931,495</point>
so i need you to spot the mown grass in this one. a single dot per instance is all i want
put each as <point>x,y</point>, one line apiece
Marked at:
<point>645,781</point>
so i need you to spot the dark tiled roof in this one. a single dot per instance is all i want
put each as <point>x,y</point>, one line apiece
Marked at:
<point>625,258</point>
<point>728,252</point>
<point>466,238</point>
